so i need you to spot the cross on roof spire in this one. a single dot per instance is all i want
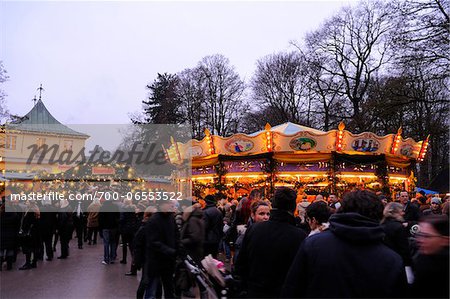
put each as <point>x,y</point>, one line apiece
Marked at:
<point>40,91</point>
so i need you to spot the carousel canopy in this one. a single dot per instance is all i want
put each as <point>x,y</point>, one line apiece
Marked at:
<point>289,129</point>
<point>290,142</point>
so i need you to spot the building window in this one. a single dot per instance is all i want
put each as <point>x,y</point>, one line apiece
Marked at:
<point>40,142</point>
<point>11,142</point>
<point>68,145</point>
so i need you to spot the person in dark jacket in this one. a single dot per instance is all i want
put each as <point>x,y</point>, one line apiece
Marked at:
<point>350,256</point>
<point>213,227</point>
<point>260,212</point>
<point>269,248</point>
<point>29,235</point>
<point>193,232</point>
<point>65,227</point>
<point>108,222</point>
<point>431,266</point>
<point>47,227</point>
<point>396,234</point>
<point>161,235</point>
<point>139,247</point>
<point>128,225</point>
<point>9,228</point>
<point>192,236</point>
<point>412,211</point>
<point>79,222</point>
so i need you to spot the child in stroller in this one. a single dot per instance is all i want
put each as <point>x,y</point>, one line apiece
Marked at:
<point>211,279</point>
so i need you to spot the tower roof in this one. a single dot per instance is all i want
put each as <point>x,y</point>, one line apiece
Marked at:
<point>40,120</point>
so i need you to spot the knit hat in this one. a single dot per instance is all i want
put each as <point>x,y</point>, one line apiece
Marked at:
<point>436,200</point>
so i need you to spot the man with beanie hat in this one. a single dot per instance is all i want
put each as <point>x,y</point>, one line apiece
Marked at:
<point>435,207</point>
<point>269,248</point>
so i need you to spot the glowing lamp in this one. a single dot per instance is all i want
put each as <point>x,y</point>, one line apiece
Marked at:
<point>423,149</point>
<point>396,141</point>
<point>340,136</point>
<point>210,141</point>
<point>268,137</point>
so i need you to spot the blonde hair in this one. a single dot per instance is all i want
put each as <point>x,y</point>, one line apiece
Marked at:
<point>393,210</point>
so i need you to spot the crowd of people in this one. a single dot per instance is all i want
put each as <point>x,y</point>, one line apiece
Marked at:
<point>362,245</point>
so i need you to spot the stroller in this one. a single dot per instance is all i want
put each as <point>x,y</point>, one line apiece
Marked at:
<point>211,281</point>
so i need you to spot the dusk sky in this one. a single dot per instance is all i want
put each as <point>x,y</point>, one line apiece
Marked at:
<point>94,59</point>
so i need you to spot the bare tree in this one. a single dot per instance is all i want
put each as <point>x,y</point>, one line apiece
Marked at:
<point>223,91</point>
<point>352,47</point>
<point>192,97</point>
<point>279,83</point>
<point>4,113</point>
<point>422,33</point>
<point>420,106</point>
<point>254,121</point>
<point>324,93</point>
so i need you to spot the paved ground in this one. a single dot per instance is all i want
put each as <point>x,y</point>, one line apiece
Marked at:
<point>80,276</point>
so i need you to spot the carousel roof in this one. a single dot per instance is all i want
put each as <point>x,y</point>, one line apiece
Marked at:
<point>289,129</point>
<point>293,142</point>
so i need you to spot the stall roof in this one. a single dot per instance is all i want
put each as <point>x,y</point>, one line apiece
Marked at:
<point>16,176</point>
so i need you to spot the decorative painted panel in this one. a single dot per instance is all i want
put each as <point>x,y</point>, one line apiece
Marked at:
<point>304,142</point>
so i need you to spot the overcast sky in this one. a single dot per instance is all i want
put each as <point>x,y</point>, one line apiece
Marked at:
<point>94,59</point>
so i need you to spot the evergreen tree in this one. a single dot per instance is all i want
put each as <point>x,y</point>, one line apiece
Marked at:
<point>163,104</point>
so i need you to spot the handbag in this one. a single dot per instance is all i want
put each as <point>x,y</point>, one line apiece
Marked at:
<point>183,279</point>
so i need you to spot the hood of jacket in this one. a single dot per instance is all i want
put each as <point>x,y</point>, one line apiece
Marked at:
<point>355,227</point>
<point>196,212</point>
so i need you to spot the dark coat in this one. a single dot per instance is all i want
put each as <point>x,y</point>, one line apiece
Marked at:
<point>431,275</point>
<point>139,246</point>
<point>412,213</point>
<point>108,217</point>
<point>411,216</point>
<point>347,261</point>
<point>397,239</point>
<point>192,235</point>
<point>267,252</point>
<point>47,221</point>
<point>129,221</point>
<point>213,224</point>
<point>428,212</point>
<point>64,222</point>
<point>161,235</point>
<point>30,225</point>
<point>9,228</point>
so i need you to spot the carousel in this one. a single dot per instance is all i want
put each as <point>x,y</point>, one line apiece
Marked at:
<point>309,160</point>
